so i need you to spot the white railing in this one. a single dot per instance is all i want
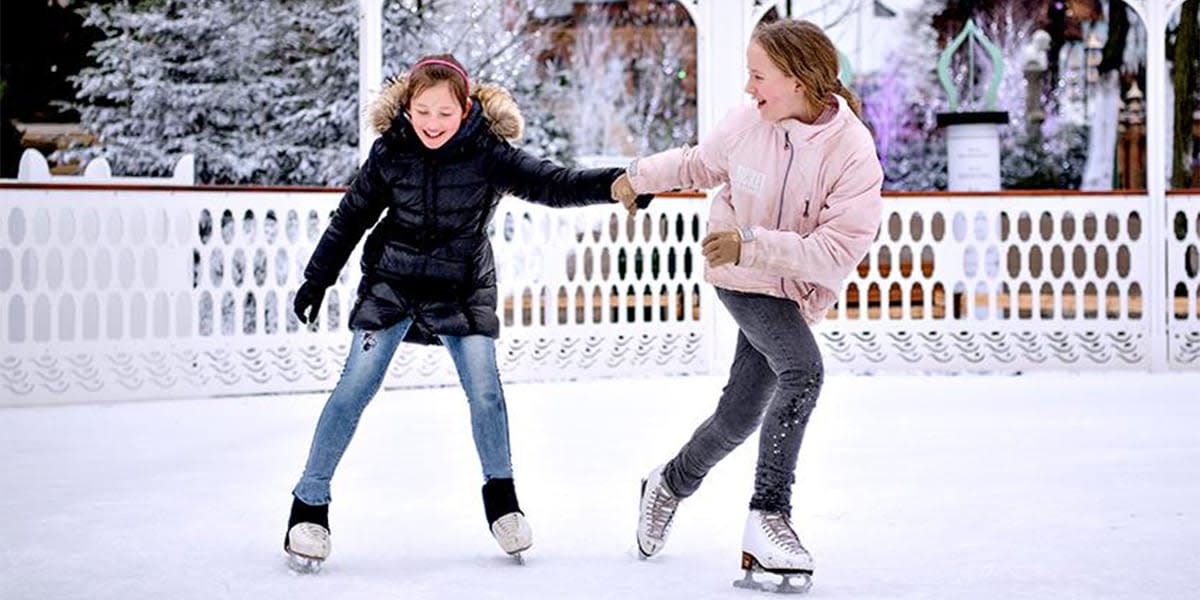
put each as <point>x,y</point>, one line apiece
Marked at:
<point>1183,280</point>
<point>1001,283</point>
<point>127,293</point>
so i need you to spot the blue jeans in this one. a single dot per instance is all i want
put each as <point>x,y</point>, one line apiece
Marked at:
<point>370,353</point>
<point>775,379</point>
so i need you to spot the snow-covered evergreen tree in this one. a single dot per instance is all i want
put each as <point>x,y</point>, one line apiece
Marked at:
<point>261,92</point>
<point>314,56</point>
<point>266,92</point>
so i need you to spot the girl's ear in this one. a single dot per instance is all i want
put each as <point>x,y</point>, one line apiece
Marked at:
<point>468,111</point>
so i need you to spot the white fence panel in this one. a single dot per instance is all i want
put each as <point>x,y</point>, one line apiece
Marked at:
<point>1183,280</point>
<point>998,283</point>
<point>118,294</point>
<point>128,293</point>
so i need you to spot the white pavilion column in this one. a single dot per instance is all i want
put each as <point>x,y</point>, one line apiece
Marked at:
<point>1154,16</point>
<point>370,68</point>
<point>723,29</point>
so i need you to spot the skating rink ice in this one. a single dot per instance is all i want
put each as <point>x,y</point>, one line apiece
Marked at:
<point>958,487</point>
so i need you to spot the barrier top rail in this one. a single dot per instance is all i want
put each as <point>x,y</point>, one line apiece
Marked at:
<point>23,185</point>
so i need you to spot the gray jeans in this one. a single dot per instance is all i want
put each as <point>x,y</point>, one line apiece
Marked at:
<point>775,380</point>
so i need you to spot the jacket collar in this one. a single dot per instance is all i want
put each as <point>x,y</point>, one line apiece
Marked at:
<point>499,110</point>
<point>812,133</point>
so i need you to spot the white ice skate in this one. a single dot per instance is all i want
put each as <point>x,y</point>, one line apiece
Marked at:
<point>514,535</point>
<point>655,513</point>
<point>770,545</point>
<point>307,546</point>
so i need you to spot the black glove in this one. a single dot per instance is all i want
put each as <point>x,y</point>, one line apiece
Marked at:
<point>308,301</point>
<point>643,200</point>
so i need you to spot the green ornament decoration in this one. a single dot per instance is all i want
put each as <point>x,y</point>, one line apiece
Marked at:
<point>972,137</point>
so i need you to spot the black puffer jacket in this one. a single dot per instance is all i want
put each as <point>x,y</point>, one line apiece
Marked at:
<point>429,257</point>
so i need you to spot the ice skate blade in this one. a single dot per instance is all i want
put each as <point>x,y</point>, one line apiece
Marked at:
<point>785,586</point>
<point>641,554</point>
<point>750,566</point>
<point>303,565</point>
<point>517,553</point>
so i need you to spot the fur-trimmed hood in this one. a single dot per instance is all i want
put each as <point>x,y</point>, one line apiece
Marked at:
<point>499,108</point>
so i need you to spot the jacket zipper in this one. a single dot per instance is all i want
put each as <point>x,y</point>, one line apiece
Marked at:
<point>787,144</point>
<point>433,191</point>
<point>428,201</point>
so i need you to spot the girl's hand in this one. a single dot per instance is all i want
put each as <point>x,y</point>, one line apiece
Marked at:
<point>622,191</point>
<point>308,302</point>
<point>722,247</point>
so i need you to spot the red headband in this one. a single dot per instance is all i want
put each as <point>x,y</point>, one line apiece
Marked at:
<point>445,63</point>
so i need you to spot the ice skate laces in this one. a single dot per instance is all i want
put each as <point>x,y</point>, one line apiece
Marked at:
<point>659,511</point>
<point>508,525</point>
<point>780,532</point>
<point>312,532</point>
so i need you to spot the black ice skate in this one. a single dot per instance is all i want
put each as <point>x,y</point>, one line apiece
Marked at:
<point>505,519</point>
<point>307,540</point>
<point>771,546</point>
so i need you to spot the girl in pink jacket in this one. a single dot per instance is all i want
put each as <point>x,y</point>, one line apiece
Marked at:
<point>797,209</point>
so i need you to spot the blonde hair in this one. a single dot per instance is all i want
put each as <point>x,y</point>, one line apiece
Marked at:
<point>433,72</point>
<point>802,50</point>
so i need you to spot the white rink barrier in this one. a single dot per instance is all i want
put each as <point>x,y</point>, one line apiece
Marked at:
<point>1004,283</point>
<point>136,293</point>
<point>123,293</point>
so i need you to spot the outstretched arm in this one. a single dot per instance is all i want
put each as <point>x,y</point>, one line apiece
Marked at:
<point>543,182</point>
<point>692,167</point>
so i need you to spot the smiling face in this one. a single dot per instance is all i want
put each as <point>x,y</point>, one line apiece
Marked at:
<point>435,115</point>
<point>777,95</point>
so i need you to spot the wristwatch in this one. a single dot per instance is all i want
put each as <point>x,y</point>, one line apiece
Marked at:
<point>746,234</point>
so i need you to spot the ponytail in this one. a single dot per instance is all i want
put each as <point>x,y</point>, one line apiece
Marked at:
<point>850,98</point>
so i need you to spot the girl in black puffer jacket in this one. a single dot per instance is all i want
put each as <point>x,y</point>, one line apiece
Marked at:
<point>436,174</point>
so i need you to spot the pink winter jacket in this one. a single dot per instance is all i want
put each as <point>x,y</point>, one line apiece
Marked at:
<point>807,197</point>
